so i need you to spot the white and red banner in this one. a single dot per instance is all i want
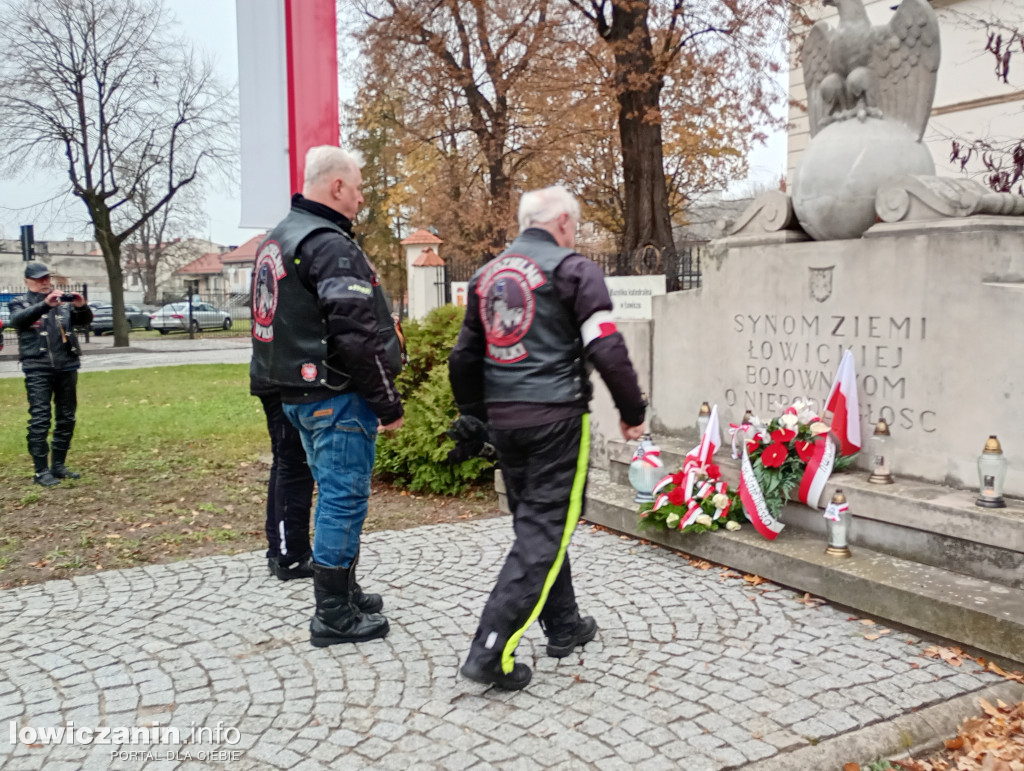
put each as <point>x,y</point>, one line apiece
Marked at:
<point>844,406</point>
<point>288,98</point>
<point>754,506</point>
<point>817,471</point>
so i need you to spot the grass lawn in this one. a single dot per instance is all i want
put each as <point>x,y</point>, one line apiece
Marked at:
<point>174,464</point>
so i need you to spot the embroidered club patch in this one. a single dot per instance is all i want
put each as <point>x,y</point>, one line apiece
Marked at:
<point>269,269</point>
<point>507,305</point>
<point>308,372</point>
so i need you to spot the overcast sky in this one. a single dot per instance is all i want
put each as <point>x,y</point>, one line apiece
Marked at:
<point>211,24</point>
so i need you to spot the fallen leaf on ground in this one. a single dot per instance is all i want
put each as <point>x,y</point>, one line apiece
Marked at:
<point>871,637</point>
<point>867,622</point>
<point>701,564</point>
<point>988,709</point>
<point>953,656</point>
<point>754,580</point>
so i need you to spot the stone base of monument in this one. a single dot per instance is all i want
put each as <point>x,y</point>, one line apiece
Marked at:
<point>499,488</point>
<point>906,538</point>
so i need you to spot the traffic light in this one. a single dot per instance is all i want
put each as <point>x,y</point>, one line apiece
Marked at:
<point>28,243</point>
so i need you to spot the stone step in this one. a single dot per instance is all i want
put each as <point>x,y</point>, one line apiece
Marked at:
<point>913,520</point>
<point>982,614</point>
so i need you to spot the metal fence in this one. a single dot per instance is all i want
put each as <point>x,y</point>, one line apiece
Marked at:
<point>237,306</point>
<point>8,293</point>
<point>681,266</point>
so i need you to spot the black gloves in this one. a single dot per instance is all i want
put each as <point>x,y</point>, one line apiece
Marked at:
<point>471,440</point>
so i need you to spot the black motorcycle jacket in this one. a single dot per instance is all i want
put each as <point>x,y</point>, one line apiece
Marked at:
<point>41,344</point>
<point>321,324</point>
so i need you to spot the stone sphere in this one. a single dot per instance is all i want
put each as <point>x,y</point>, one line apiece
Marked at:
<point>842,168</point>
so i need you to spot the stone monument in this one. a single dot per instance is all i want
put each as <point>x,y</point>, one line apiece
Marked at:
<point>920,276</point>
<point>869,95</point>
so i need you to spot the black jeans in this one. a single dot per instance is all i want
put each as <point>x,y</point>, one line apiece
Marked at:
<point>42,387</point>
<point>290,489</point>
<point>545,472</point>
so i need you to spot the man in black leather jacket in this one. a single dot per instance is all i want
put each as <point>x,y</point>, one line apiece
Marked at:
<point>322,334</point>
<point>49,354</point>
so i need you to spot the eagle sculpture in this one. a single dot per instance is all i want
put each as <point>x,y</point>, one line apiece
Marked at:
<point>859,70</point>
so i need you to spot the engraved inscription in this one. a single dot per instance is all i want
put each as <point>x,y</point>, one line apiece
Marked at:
<point>795,356</point>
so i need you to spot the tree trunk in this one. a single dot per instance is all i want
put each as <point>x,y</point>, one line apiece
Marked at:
<point>149,285</point>
<point>638,90</point>
<point>501,203</point>
<point>110,246</point>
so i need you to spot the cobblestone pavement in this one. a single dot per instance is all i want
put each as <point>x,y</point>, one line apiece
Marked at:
<point>688,671</point>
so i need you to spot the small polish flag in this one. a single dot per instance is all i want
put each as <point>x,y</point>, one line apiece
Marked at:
<point>710,440</point>
<point>700,456</point>
<point>842,403</point>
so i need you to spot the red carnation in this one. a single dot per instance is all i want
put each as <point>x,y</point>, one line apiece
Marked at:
<point>783,435</point>
<point>805,450</point>
<point>677,497</point>
<point>678,478</point>
<point>774,455</point>
<point>712,471</point>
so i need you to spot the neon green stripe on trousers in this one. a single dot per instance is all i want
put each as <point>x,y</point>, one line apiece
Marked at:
<point>571,520</point>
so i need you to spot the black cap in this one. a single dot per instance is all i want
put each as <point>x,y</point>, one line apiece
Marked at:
<point>36,270</point>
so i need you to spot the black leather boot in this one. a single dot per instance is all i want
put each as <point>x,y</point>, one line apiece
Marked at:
<point>288,569</point>
<point>563,638</point>
<point>59,470</point>
<point>43,476</point>
<point>489,672</point>
<point>367,603</point>
<point>337,619</point>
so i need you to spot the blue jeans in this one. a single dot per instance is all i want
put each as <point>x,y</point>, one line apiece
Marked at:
<point>340,436</point>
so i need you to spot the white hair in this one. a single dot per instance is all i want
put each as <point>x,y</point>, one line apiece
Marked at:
<point>324,160</point>
<point>540,206</point>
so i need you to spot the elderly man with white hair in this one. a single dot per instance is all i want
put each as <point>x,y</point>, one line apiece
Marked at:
<point>538,317</point>
<point>322,335</point>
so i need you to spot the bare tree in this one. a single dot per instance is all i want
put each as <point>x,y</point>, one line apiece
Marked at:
<point>155,247</point>
<point>104,90</point>
<point>1001,157</point>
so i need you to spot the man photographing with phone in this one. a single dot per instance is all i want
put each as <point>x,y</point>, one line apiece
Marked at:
<point>49,353</point>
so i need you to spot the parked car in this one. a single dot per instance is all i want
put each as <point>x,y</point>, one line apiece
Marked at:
<point>174,317</point>
<point>103,318</point>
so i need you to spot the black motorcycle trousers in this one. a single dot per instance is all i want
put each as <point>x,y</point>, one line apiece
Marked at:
<point>44,386</point>
<point>290,489</point>
<point>545,472</point>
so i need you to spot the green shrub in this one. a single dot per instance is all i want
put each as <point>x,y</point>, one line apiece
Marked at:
<point>415,456</point>
<point>428,344</point>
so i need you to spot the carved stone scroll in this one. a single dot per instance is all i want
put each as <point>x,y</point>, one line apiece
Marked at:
<point>768,213</point>
<point>919,197</point>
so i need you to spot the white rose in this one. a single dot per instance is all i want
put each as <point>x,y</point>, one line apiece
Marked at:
<point>730,525</point>
<point>672,520</point>
<point>819,428</point>
<point>789,420</point>
<point>704,519</point>
<point>721,500</point>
